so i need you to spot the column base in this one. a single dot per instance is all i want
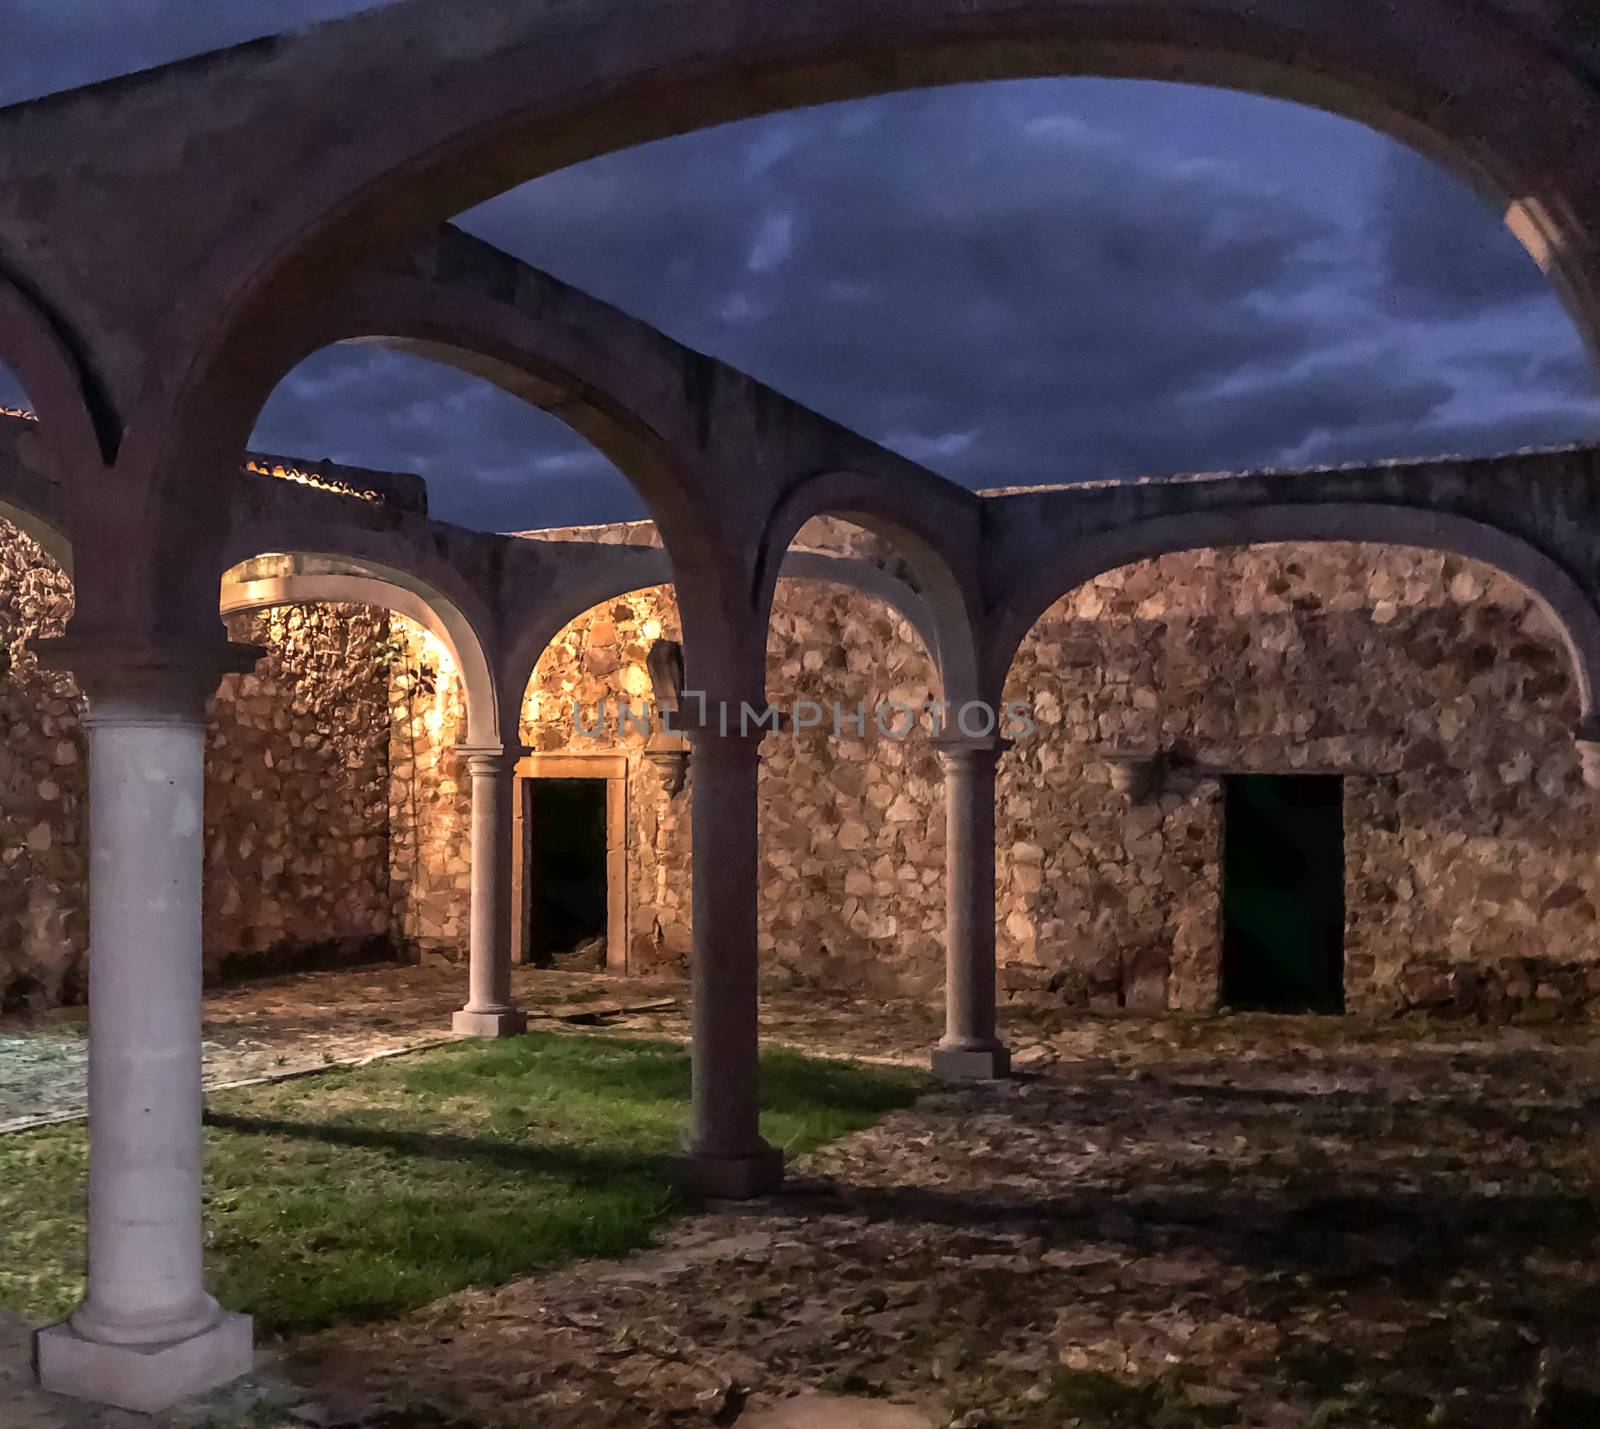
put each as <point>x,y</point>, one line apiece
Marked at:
<point>505,1023</point>
<point>734,1178</point>
<point>144,1378</point>
<point>971,1064</point>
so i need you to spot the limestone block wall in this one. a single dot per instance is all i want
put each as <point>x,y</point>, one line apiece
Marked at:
<point>1436,686</point>
<point>852,827</point>
<point>297,848</point>
<point>297,817</point>
<point>338,816</point>
<point>43,919</point>
<point>599,660</point>
<point>429,851</point>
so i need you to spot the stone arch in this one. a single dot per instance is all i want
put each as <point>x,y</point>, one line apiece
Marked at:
<point>304,578</point>
<point>583,575</point>
<point>932,524</point>
<point>1557,590</point>
<point>1503,103</point>
<point>660,412</point>
<point>1497,97</point>
<point>586,367</point>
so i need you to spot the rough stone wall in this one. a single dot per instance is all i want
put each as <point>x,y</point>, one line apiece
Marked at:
<point>1438,687</point>
<point>297,818</point>
<point>1435,686</point>
<point>852,831</point>
<point>600,658</point>
<point>43,919</point>
<point>430,797</point>
<point>852,828</point>
<point>338,818</point>
<point>296,807</point>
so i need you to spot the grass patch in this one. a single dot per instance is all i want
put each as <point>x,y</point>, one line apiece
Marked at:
<point>359,1195</point>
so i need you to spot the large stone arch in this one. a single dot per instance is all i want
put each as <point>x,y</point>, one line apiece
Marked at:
<point>513,93</point>
<point>303,578</point>
<point>1498,92</point>
<point>719,457</point>
<point>933,524</point>
<point>1556,589</point>
<point>640,399</point>
<point>586,575</point>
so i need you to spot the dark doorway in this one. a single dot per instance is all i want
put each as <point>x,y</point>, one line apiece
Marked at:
<point>1283,893</point>
<point>566,883</point>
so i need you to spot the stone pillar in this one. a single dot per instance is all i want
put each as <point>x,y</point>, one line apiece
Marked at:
<point>969,1050</point>
<point>489,1011</point>
<point>724,1154</point>
<point>147,1334</point>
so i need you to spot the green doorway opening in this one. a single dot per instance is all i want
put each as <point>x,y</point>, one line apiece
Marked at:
<point>566,881</point>
<point>1283,893</point>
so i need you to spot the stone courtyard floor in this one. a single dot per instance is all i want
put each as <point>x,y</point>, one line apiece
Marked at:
<point>306,1023</point>
<point>1278,1223</point>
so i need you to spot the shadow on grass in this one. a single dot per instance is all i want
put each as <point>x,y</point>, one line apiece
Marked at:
<point>576,1163</point>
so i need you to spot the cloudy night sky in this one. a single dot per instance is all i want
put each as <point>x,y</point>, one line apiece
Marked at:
<point>1012,283</point>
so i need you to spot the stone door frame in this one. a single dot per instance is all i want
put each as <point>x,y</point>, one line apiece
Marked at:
<point>613,768</point>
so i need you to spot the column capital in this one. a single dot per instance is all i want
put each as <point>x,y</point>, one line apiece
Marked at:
<point>146,682</point>
<point>491,759</point>
<point>964,751</point>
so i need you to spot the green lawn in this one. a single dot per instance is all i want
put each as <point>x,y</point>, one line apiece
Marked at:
<point>358,1195</point>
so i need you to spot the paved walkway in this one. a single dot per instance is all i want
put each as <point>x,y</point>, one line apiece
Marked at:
<point>1268,1223</point>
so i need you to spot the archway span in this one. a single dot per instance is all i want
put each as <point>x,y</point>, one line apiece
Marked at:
<point>1497,98</point>
<point>1501,103</point>
<point>658,411</point>
<point>583,575</point>
<point>586,366</point>
<point>268,581</point>
<point>1555,588</point>
<point>932,524</point>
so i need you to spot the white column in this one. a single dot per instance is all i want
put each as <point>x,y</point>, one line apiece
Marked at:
<point>490,1011</point>
<point>969,1050</point>
<point>725,1154</point>
<point>147,1333</point>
